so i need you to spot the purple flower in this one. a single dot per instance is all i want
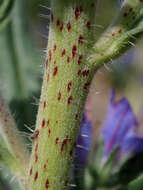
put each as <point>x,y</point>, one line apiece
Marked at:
<point>84,140</point>
<point>119,128</point>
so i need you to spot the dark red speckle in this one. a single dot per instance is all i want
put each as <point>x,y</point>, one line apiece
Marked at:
<point>61,26</point>
<point>68,59</point>
<point>45,166</point>
<point>79,71</point>
<point>69,86</point>
<point>36,158</point>
<point>120,31</point>
<point>77,13</point>
<point>30,172</point>
<point>74,48</point>
<point>64,143</point>
<point>36,134</point>
<point>86,85</point>
<point>55,71</point>
<point>69,100</point>
<point>80,39</point>
<point>47,184</point>
<point>59,96</point>
<point>43,123</point>
<point>113,34</point>
<point>55,47</point>
<point>44,104</point>
<point>57,140</point>
<point>50,55</point>
<point>49,132</point>
<point>85,73</point>
<point>79,59</point>
<point>57,22</point>
<point>69,26</point>
<point>63,52</point>
<point>36,176</point>
<point>71,153</point>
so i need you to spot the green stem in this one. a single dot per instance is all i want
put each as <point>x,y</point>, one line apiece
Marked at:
<point>69,70</point>
<point>65,87</point>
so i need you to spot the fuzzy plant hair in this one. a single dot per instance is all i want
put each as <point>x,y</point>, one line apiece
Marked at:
<point>73,56</point>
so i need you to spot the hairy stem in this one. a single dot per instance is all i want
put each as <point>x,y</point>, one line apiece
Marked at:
<point>66,82</point>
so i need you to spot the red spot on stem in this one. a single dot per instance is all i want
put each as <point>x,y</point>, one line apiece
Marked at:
<point>69,26</point>
<point>77,13</point>
<point>59,96</point>
<point>36,158</point>
<point>47,184</point>
<point>44,104</point>
<point>80,39</point>
<point>36,176</point>
<point>74,48</point>
<point>55,47</point>
<point>50,55</point>
<point>80,59</point>
<point>120,31</point>
<point>31,170</point>
<point>71,153</point>
<point>68,59</point>
<point>57,22</point>
<point>57,140</point>
<point>61,26</point>
<point>49,132</point>
<point>85,73</point>
<point>63,52</point>
<point>79,71</point>
<point>86,85</point>
<point>43,123</point>
<point>55,71</point>
<point>45,166</point>
<point>36,134</point>
<point>69,86</point>
<point>69,100</point>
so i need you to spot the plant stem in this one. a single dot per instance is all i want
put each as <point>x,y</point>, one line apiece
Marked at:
<point>67,77</point>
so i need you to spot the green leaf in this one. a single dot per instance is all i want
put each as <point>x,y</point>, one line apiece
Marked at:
<point>5,11</point>
<point>136,184</point>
